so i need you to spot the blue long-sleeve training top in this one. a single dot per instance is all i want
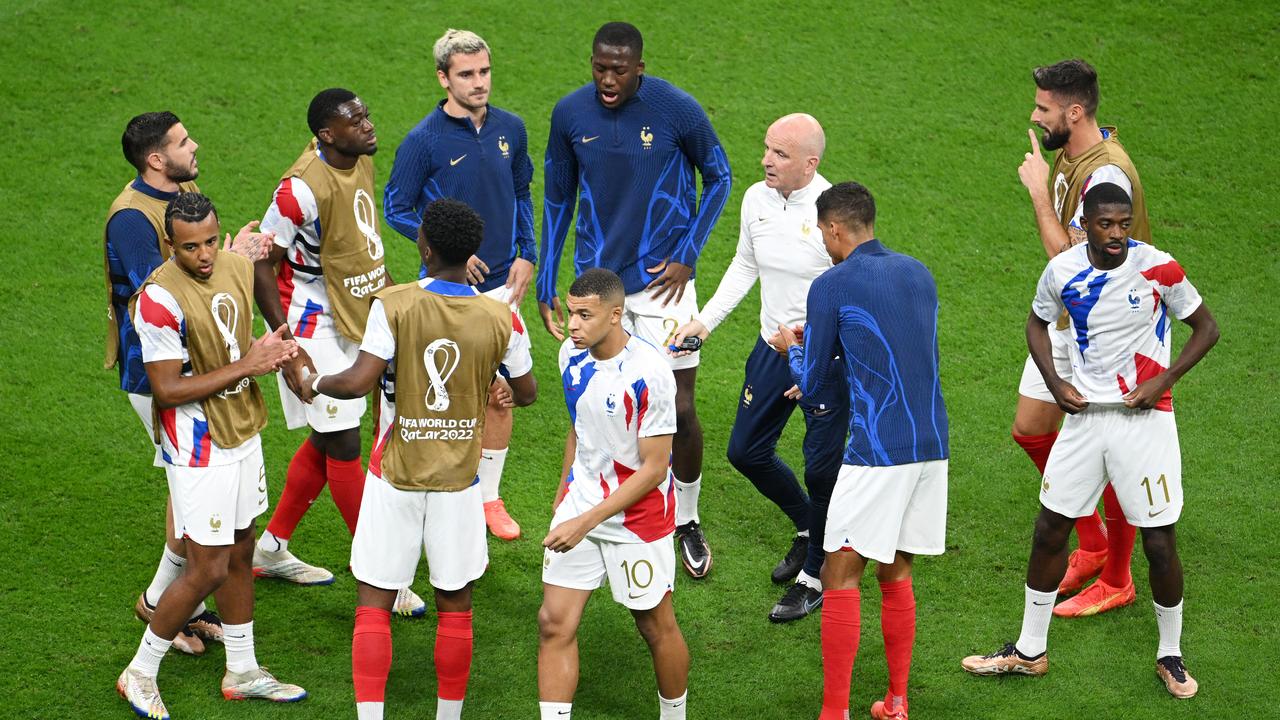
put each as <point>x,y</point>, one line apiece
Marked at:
<point>631,171</point>
<point>133,252</point>
<point>879,309</point>
<point>489,170</point>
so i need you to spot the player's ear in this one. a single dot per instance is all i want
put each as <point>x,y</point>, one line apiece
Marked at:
<point>443,77</point>
<point>640,68</point>
<point>325,136</point>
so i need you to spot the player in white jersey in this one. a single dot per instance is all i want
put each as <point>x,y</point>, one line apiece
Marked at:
<point>1119,294</point>
<point>615,509</point>
<point>780,245</point>
<point>195,332</point>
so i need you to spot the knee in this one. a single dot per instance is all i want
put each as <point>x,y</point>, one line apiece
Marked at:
<point>554,627</point>
<point>209,576</point>
<point>1051,532</point>
<point>740,455</point>
<point>1159,547</point>
<point>686,411</point>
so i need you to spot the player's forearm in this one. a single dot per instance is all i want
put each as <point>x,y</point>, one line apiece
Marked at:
<point>171,389</point>
<point>806,374</point>
<point>715,194</point>
<point>526,245</point>
<point>267,296</point>
<point>570,450</point>
<point>356,381</point>
<point>1041,349</point>
<point>1052,235</point>
<point>1204,335</point>
<point>554,230</point>
<point>648,477</point>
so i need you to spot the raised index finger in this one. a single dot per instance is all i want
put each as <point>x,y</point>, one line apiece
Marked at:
<point>1035,141</point>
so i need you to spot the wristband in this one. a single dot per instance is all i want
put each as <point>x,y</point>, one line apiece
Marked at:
<point>315,384</point>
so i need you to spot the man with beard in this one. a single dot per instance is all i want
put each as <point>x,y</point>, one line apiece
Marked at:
<point>468,150</point>
<point>159,147</point>
<point>319,280</point>
<point>1066,105</point>
<point>625,147</point>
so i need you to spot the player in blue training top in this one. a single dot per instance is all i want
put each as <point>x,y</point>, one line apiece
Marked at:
<point>468,150</point>
<point>879,310</point>
<point>625,147</point>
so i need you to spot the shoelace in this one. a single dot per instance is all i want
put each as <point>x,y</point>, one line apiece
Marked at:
<point>1008,650</point>
<point>207,616</point>
<point>1174,666</point>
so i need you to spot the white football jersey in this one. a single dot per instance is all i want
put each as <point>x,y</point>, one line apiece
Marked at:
<point>1120,319</point>
<point>612,404</point>
<point>294,217</point>
<point>184,433</point>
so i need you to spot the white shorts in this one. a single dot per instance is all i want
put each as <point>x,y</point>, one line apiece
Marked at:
<point>646,318</point>
<point>211,503</point>
<point>325,414</point>
<point>1136,450</point>
<point>877,511</point>
<point>1032,384</point>
<point>640,574</point>
<point>395,526</point>
<point>142,405</point>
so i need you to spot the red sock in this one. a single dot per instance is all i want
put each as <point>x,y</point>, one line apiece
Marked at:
<point>371,653</point>
<point>346,484</point>
<point>841,623</point>
<point>1092,534</point>
<point>898,623</point>
<point>1120,535</point>
<point>1036,447</point>
<point>302,485</point>
<point>453,654</point>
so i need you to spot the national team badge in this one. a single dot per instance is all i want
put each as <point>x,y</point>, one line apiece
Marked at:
<point>215,523</point>
<point>611,405</point>
<point>504,147</point>
<point>1135,300</point>
<point>332,409</point>
<point>746,396</point>
<point>646,137</point>
<point>805,228</point>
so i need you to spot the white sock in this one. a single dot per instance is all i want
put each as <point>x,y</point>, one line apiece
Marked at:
<point>271,543</point>
<point>238,640</point>
<point>687,501</point>
<point>150,652</point>
<point>1036,614</point>
<point>170,569</point>
<point>672,709</point>
<point>199,610</point>
<point>803,534</point>
<point>369,711</point>
<point>490,472</point>
<point>448,709</point>
<point>809,580</point>
<point>554,710</point>
<point>1169,621</point>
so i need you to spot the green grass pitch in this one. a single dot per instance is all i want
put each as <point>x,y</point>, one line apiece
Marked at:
<point>925,103</point>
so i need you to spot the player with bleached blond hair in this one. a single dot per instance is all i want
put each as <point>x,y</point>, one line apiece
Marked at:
<point>469,150</point>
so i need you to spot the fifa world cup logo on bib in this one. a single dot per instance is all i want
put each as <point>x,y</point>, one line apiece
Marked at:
<point>366,221</point>
<point>440,359</point>
<point>226,316</point>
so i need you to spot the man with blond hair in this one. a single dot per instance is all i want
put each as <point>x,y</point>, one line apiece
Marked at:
<point>780,245</point>
<point>470,151</point>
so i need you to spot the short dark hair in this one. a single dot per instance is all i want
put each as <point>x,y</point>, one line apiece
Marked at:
<point>848,203</point>
<point>191,207</point>
<point>452,229</point>
<point>1074,80</point>
<point>1105,194</point>
<point>145,134</point>
<point>620,34</point>
<point>600,283</point>
<point>324,106</point>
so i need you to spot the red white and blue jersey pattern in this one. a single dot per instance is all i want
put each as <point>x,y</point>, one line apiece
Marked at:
<point>295,219</point>
<point>379,341</point>
<point>184,430</point>
<point>1120,319</point>
<point>612,404</point>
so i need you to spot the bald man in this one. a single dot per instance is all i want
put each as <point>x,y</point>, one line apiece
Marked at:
<point>779,243</point>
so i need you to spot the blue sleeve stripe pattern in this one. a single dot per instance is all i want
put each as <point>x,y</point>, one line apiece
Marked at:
<point>878,310</point>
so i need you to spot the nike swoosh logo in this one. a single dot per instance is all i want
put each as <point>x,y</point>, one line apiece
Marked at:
<point>1033,602</point>
<point>586,139</point>
<point>455,162</point>
<point>563,712</point>
<point>811,606</point>
<point>1153,514</point>
<point>237,637</point>
<point>691,562</point>
<point>633,596</point>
